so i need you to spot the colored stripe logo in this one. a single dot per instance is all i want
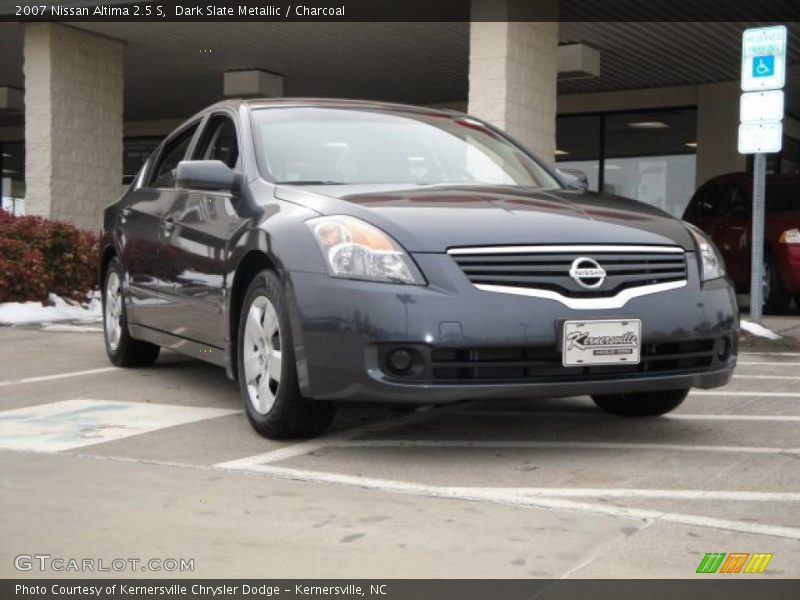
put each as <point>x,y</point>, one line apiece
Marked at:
<point>733,563</point>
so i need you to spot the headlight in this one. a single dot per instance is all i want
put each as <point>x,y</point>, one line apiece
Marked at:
<point>357,250</point>
<point>711,263</point>
<point>790,236</point>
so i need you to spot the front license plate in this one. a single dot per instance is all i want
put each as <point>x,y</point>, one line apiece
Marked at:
<point>602,342</point>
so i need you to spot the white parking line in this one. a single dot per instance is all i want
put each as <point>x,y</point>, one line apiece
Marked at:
<point>499,413</point>
<point>750,394</point>
<point>769,353</point>
<point>337,438</point>
<point>781,377</point>
<point>524,444</point>
<point>766,362</point>
<point>515,499</point>
<point>768,418</point>
<point>58,376</point>
<point>651,494</point>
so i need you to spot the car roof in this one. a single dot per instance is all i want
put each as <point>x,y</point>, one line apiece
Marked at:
<point>257,103</point>
<point>742,177</point>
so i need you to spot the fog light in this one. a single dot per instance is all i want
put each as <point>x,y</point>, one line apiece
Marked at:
<point>400,361</point>
<point>724,348</point>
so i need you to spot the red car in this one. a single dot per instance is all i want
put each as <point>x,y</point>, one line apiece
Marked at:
<point>722,207</point>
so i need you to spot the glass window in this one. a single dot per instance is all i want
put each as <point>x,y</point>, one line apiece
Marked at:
<point>349,146</point>
<point>134,152</point>
<point>790,156</point>
<point>173,153</point>
<point>650,156</point>
<point>578,145</point>
<point>783,196</point>
<point>219,142</point>
<point>12,177</point>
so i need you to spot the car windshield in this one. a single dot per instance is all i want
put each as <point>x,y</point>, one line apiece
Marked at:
<point>305,146</point>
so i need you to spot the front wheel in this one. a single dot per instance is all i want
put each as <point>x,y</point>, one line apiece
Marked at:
<point>267,373</point>
<point>122,349</point>
<point>641,404</point>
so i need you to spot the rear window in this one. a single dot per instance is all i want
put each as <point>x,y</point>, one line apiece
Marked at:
<point>783,197</point>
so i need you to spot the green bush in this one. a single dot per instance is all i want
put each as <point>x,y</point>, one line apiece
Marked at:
<point>38,256</point>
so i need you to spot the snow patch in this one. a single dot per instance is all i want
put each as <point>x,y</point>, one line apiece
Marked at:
<point>22,313</point>
<point>758,330</point>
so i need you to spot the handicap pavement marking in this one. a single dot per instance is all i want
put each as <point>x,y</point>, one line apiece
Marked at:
<point>70,424</point>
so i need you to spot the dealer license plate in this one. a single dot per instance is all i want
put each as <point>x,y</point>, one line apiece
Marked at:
<point>602,342</point>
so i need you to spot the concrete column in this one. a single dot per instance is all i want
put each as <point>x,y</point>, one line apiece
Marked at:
<point>73,122</point>
<point>718,131</point>
<point>513,70</point>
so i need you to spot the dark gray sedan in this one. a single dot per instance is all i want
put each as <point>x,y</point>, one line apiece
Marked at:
<point>328,250</point>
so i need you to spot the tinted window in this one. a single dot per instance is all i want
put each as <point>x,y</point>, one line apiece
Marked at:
<point>739,205</point>
<point>783,196</point>
<point>706,202</point>
<point>174,152</point>
<point>219,142</point>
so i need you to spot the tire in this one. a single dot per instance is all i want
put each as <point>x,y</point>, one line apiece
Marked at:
<point>122,349</point>
<point>641,404</point>
<point>776,298</point>
<point>267,368</point>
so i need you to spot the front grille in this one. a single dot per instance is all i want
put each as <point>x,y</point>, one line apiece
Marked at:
<point>549,270</point>
<point>544,363</point>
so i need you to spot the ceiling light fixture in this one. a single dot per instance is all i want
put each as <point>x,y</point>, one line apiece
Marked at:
<point>648,125</point>
<point>691,144</point>
<point>561,153</point>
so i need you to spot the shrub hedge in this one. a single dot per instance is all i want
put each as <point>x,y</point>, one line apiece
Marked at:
<point>38,256</point>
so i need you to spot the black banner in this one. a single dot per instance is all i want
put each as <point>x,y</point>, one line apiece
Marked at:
<point>736,587</point>
<point>403,10</point>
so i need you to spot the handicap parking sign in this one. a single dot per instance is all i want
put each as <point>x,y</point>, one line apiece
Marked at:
<point>764,65</point>
<point>764,58</point>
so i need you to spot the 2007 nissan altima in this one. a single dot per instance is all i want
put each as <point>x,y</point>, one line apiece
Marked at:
<point>328,250</point>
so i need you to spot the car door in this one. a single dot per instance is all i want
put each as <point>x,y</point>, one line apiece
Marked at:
<point>203,223</point>
<point>141,232</point>
<point>732,231</point>
<point>150,267</point>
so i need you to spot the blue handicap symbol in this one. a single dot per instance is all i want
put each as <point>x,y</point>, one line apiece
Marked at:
<point>764,66</point>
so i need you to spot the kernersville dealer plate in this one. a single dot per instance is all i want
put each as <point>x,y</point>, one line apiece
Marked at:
<point>602,342</point>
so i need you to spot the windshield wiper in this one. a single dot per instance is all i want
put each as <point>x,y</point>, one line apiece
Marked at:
<point>310,182</point>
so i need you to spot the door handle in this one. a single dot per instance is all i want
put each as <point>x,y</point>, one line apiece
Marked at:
<point>167,225</point>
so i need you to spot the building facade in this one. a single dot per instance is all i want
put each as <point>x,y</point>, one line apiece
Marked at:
<point>646,110</point>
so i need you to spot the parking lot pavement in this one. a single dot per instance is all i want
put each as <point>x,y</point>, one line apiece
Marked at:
<point>160,462</point>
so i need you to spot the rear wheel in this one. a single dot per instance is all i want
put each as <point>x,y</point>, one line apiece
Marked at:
<point>641,404</point>
<point>776,298</point>
<point>267,372</point>
<point>122,349</point>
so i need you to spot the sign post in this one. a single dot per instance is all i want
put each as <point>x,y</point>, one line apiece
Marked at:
<point>761,132</point>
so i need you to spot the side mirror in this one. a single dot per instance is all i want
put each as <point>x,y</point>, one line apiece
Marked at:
<point>575,179</point>
<point>211,175</point>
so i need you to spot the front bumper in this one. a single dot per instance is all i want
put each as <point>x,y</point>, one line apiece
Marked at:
<point>342,330</point>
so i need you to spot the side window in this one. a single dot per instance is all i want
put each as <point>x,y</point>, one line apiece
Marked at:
<point>707,201</point>
<point>174,152</point>
<point>740,205</point>
<point>219,141</point>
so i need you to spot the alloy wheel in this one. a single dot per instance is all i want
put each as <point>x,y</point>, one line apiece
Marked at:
<point>113,311</point>
<point>262,354</point>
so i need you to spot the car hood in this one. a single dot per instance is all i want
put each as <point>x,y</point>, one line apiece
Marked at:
<point>437,217</point>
